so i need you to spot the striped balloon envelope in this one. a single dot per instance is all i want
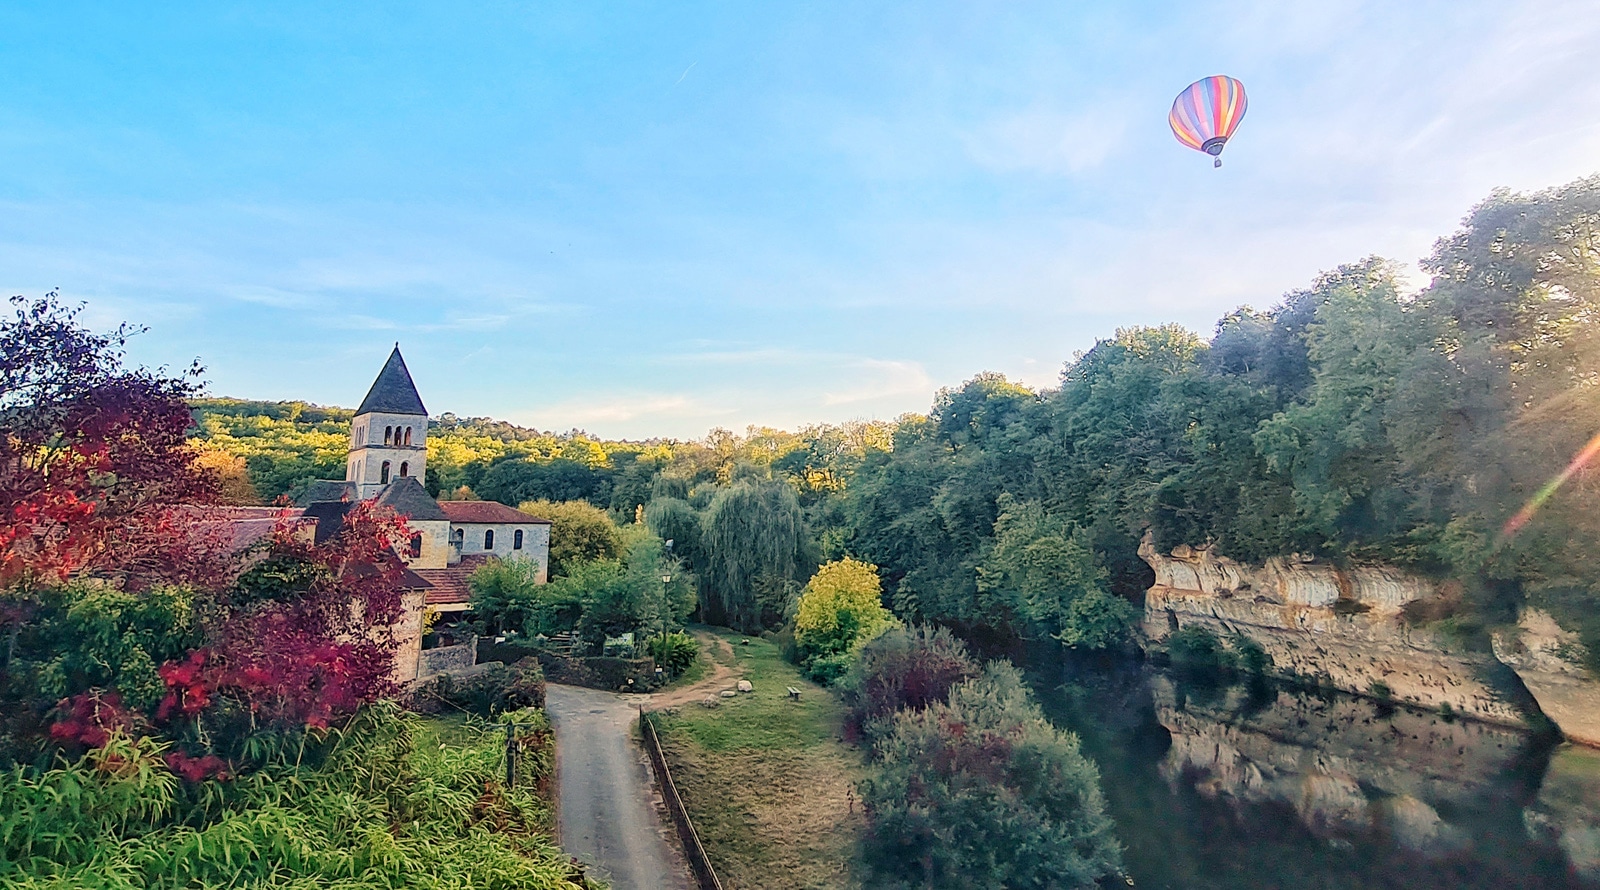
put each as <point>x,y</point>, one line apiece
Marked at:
<point>1205,114</point>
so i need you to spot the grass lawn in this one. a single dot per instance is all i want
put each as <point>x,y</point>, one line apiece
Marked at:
<point>767,781</point>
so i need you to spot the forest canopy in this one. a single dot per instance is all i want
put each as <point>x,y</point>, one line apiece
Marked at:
<point>1361,418</point>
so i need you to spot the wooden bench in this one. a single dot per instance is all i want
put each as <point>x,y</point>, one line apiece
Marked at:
<point>793,693</point>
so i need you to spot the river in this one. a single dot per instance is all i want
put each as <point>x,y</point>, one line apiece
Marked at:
<point>1251,786</point>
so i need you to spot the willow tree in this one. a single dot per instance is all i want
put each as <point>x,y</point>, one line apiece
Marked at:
<point>673,519</point>
<point>751,542</point>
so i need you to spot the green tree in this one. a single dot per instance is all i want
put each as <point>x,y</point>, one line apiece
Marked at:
<point>505,594</point>
<point>752,537</point>
<point>1336,445</point>
<point>578,531</point>
<point>840,608</point>
<point>1042,569</point>
<point>674,519</point>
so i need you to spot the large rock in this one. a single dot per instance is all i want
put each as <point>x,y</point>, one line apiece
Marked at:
<point>744,686</point>
<point>1343,626</point>
<point>1550,662</point>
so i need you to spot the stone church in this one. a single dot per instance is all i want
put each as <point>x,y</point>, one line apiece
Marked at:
<point>387,463</point>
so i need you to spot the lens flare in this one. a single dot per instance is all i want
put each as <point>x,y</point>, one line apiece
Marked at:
<point>1583,457</point>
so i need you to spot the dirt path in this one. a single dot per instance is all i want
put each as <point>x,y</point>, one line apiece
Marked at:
<point>723,676</point>
<point>608,807</point>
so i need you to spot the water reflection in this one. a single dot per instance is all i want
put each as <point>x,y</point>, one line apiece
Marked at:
<point>1265,787</point>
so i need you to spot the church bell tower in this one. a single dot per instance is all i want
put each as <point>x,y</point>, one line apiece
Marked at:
<point>388,438</point>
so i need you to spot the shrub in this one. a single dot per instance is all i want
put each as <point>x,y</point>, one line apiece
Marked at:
<point>673,652</point>
<point>983,792</point>
<point>828,669</point>
<point>505,594</point>
<point>1097,620</point>
<point>903,668</point>
<point>1253,659</point>
<point>1197,649</point>
<point>840,608</point>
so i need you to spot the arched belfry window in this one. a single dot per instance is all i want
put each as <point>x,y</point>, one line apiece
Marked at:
<point>416,545</point>
<point>488,539</point>
<point>405,469</point>
<point>516,540</point>
<point>383,476</point>
<point>408,435</point>
<point>388,435</point>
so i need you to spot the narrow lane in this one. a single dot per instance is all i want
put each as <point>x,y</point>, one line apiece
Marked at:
<point>608,807</point>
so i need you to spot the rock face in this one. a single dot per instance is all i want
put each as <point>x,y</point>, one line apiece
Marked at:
<point>1344,626</point>
<point>1550,662</point>
<point>1340,625</point>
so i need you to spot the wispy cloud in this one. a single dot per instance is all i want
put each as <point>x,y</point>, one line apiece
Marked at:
<point>883,379</point>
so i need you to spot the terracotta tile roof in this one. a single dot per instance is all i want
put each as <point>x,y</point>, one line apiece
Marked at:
<point>485,513</point>
<point>448,586</point>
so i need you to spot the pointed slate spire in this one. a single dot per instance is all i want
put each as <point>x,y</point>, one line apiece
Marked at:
<point>393,392</point>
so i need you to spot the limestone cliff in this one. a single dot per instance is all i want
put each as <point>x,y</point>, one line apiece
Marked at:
<point>1344,626</point>
<point>1318,620</point>
<point>1550,662</point>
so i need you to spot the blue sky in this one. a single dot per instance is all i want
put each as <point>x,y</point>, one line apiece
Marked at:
<point>654,219</point>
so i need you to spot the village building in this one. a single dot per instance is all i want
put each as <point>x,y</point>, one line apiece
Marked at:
<point>387,464</point>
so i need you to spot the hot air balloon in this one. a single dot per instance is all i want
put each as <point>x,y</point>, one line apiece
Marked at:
<point>1205,114</point>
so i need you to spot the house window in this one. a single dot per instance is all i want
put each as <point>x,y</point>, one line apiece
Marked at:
<point>388,435</point>
<point>416,545</point>
<point>383,477</point>
<point>516,540</point>
<point>405,469</point>
<point>488,539</point>
<point>408,435</point>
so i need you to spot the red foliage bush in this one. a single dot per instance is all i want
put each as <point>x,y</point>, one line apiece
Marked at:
<point>904,668</point>
<point>97,480</point>
<point>318,646</point>
<point>92,452</point>
<point>89,719</point>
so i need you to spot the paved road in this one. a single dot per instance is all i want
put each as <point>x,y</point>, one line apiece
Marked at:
<point>608,806</point>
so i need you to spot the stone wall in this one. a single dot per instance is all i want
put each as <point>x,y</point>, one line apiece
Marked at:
<point>408,637</point>
<point>447,659</point>
<point>535,542</point>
